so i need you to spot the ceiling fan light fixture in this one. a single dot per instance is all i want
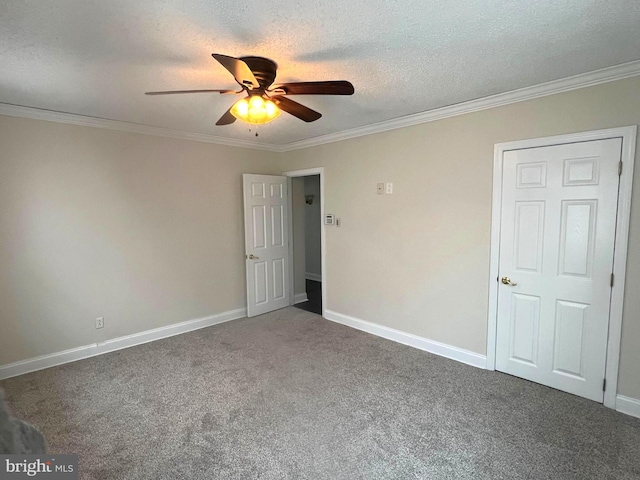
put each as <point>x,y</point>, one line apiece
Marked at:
<point>265,101</point>
<point>255,110</point>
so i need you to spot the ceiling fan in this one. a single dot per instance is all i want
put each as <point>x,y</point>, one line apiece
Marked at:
<point>264,99</point>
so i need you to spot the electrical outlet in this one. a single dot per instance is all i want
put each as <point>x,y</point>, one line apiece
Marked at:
<point>388,188</point>
<point>380,187</point>
<point>99,322</point>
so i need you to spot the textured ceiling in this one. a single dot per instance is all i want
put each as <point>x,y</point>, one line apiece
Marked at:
<point>97,57</point>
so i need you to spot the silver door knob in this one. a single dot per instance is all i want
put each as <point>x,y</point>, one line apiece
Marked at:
<point>252,257</point>
<point>507,281</point>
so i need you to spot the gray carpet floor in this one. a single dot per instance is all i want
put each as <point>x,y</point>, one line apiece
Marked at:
<point>289,395</point>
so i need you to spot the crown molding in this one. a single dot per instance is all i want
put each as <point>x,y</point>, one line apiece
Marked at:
<point>85,121</point>
<point>596,77</point>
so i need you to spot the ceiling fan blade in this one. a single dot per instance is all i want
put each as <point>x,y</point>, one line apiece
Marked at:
<point>239,69</point>
<point>333,87</point>
<point>226,119</point>
<point>296,109</point>
<point>171,92</point>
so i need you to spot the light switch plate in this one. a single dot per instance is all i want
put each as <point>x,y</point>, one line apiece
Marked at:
<point>381,189</point>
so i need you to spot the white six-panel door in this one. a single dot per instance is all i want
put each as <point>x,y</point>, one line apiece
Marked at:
<point>557,235</point>
<point>266,243</point>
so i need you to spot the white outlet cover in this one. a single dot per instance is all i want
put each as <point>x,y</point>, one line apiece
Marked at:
<point>389,188</point>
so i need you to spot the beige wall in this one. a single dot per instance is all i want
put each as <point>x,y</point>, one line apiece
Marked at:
<point>313,247</point>
<point>418,260</point>
<point>145,231</point>
<point>299,228</point>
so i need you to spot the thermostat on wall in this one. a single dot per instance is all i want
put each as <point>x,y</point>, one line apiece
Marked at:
<point>329,219</point>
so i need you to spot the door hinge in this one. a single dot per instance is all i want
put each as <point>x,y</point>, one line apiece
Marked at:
<point>604,384</point>
<point>620,168</point>
<point>612,277</point>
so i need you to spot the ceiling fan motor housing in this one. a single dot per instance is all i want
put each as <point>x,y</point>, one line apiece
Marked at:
<point>264,69</point>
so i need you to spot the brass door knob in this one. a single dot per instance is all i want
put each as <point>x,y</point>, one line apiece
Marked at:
<point>507,281</point>
<point>252,257</point>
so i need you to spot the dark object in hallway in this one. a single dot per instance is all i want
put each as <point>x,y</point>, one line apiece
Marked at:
<point>314,294</point>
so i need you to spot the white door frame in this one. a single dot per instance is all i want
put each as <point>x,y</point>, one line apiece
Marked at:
<point>628,135</point>
<point>305,173</point>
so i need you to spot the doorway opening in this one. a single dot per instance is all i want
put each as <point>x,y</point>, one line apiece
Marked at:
<point>307,240</point>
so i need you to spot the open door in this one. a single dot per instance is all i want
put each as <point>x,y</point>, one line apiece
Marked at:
<point>266,235</point>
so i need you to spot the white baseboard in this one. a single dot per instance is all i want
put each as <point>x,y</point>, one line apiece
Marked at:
<point>79,353</point>
<point>46,361</point>
<point>442,349</point>
<point>170,330</point>
<point>300,297</point>
<point>313,276</point>
<point>628,405</point>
